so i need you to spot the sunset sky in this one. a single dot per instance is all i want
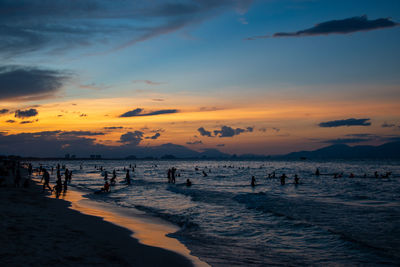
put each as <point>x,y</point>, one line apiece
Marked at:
<point>240,76</point>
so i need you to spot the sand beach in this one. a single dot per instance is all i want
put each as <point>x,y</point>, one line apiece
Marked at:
<point>39,231</point>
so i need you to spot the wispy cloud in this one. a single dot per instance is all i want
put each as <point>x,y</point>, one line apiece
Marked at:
<point>140,112</point>
<point>148,82</point>
<point>343,26</point>
<point>346,122</point>
<point>57,25</point>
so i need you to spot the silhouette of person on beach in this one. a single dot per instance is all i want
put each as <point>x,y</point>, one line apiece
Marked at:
<point>46,178</point>
<point>58,174</point>
<point>58,187</point>
<point>69,176</point>
<point>253,181</point>
<point>65,185</point>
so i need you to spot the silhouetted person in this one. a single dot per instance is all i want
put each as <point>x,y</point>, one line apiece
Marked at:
<point>58,174</point>
<point>65,185</point>
<point>253,181</point>
<point>46,178</point>
<point>296,179</point>
<point>113,178</point>
<point>69,176</point>
<point>351,175</point>
<point>128,177</point>
<point>58,187</point>
<point>106,187</point>
<point>204,174</point>
<point>173,172</point>
<point>317,173</point>
<point>106,175</point>
<point>169,174</point>
<point>188,182</point>
<point>283,179</point>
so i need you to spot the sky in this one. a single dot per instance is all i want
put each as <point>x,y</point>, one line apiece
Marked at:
<point>119,78</point>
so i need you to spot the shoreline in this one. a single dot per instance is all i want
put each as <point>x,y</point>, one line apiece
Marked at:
<point>146,229</point>
<point>41,230</point>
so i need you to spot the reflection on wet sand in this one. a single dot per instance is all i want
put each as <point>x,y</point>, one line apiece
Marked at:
<point>148,230</point>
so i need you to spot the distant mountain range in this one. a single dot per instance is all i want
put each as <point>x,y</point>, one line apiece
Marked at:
<point>386,151</point>
<point>173,151</point>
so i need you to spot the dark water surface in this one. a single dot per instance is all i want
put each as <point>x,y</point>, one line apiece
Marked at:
<point>224,221</point>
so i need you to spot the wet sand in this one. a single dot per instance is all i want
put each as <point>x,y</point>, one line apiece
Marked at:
<point>38,230</point>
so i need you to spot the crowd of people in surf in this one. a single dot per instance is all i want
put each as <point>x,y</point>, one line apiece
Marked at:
<point>61,186</point>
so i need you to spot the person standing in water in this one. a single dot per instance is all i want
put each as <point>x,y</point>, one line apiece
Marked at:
<point>114,176</point>
<point>253,181</point>
<point>283,179</point>
<point>296,179</point>
<point>128,177</point>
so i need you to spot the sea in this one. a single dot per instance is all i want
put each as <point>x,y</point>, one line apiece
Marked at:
<point>225,221</point>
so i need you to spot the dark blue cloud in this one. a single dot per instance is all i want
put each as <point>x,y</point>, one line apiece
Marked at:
<point>343,26</point>
<point>80,133</point>
<point>154,137</point>
<point>28,83</point>
<point>3,111</point>
<point>26,113</point>
<point>132,138</point>
<point>204,132</point>
<point>139,112</point>
<point>10,121</point>
<point>346,122</point>
<point>227,131</point>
